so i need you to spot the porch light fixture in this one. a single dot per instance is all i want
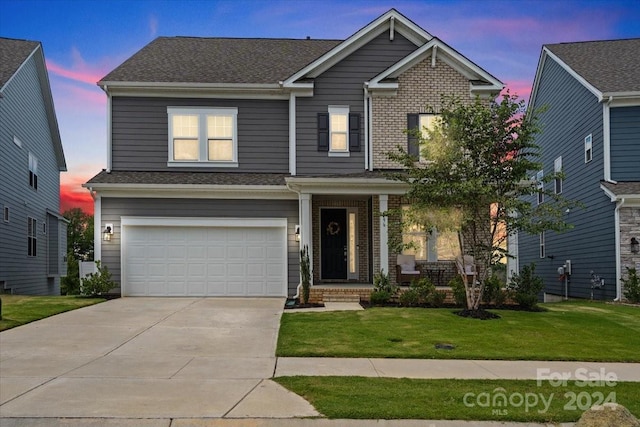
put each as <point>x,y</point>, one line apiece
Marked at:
<point>635,245</point>
<point>107,233</point>
<point>297,233</point>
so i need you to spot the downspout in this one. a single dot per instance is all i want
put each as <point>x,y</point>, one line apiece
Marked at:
<point>606,139</point>
<point>97,225</point>
<point>109,161</point>
<point>370,129</point>
<point>618,257</point>
<point>366,126</point>
<point>299,287</point>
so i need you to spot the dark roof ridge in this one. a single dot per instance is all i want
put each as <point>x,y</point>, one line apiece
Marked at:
<point>250,38</point>
<point>593,41</point>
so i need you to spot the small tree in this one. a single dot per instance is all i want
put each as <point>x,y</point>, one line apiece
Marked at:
<point>526,286</point>
<point>305,273</point>
<point>79,248</point>
<point>97,283</point>
<point>479,159</point>
<point>632,286</point>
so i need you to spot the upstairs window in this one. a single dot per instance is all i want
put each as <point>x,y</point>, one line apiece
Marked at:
<point>588,148</point>
<point>32,240</point>
<point>338,131</point>
<point>419,124</point>
<point>203,136</point>
<point>557,168</point>
<point>33,171</point>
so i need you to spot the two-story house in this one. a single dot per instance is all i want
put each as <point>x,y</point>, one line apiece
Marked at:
<point>33,234</point>
<point>591,133</point>
<point>227,156</point>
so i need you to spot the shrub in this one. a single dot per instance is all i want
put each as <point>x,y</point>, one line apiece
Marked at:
<point>383,290</point>
<point>305,274</point>
<point>97,283</point>
<point>409,298</point>
<point>526,286</point>
<point>437,298</point>
<point>493,291</point>
<point>459,292</point>
<point>632,286</point>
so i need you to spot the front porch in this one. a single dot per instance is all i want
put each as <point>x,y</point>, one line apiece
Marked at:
<point>357,292</point>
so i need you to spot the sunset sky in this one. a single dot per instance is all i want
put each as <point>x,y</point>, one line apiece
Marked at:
<point>83,40</point>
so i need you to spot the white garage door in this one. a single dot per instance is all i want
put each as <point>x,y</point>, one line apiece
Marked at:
<point>234,258</point>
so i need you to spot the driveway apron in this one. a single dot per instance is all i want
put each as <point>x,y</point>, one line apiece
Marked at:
<point>146,358</point>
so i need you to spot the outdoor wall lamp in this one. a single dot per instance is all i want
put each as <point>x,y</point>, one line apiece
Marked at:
<point>635,245</point>
<point>297,233</point>
<point>107,233</point>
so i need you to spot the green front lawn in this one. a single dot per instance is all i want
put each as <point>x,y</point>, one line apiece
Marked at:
<point>402,398</point>
<point>587,331</point>
<point>19,309</point>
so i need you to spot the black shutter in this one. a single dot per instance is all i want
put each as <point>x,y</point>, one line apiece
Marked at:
<point>354,132</point>
<point>413,123</point>
<point>323,131</point>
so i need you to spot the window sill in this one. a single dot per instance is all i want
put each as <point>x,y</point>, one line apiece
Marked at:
<point>339,154</point>
<point>202,164</point>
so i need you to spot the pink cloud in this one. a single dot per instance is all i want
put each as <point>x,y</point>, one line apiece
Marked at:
<point>521,88</point>
<point>72,194</point>
<point>83,75</point>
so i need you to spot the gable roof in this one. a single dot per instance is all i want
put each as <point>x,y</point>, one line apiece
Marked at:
<point>14,54</point>
<point>218,60</point>
<point>608,68</point>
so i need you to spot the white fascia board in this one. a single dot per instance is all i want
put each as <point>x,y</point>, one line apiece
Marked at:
<point>449,56</point>
<point>128,221</point>
<point>404,26</point>
<point>622,99</point>
<point>346,186</point>
<point>575,75</point>
<point>196,191</point>
<point>632,197</point>
<point>196,90</point>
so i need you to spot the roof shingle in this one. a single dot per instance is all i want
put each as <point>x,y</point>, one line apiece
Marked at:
<point>608,65</point>
<point>219,60</point>
<point>189,178</point>
<point>13,53</point>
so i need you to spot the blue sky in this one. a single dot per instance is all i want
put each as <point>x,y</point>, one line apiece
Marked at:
<point>83,40</point>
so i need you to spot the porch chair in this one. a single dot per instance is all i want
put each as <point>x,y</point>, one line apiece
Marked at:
<point>467,267</point>
<point>406,270</point>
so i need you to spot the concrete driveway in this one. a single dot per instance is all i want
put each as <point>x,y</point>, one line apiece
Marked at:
<point>161,358</point>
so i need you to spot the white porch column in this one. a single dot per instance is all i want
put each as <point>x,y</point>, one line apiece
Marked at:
<point>384,234</point>
<point>306,238</point>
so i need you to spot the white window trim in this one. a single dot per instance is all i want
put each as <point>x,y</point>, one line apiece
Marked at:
<point>33,223</point>
<point>203,144</point>
<point>540,185</point>
<point>588,148</point>
<point>339,110</point>
<point>542,246</point>
<point>33,171</point>
<point>558,182</point>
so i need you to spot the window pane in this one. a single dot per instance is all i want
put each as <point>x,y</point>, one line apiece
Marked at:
<point>220,149</point>
<point>419,245</point>
<point>185,149</point>
<point>185,126</point>
<point>338,123</point>
<point>448,245</point>
<point>427,121</point>
<point>339,141</point>
<point>220,126</point>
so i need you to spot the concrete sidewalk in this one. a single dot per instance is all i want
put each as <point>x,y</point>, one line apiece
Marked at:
<point>462,369</point>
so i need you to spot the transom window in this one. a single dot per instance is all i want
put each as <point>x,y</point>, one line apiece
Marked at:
<point>203,136</point>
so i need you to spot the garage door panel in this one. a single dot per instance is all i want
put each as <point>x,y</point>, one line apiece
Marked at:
<point>204,260</point>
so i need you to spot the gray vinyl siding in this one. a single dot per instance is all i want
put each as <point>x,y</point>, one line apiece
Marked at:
<point>625,143</point>
<point>573,113</point>
<point>23,114</point>
<point>140,139</point>
<point>343,85</point>
<point>114,208</point>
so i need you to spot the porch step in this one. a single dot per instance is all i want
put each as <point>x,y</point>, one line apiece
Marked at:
<point>328,297</point>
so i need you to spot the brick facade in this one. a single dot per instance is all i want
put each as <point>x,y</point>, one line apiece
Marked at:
<point>418,87</point>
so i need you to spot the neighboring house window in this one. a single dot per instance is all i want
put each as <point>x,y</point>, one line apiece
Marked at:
<point>32,240</point>
<point>203,136</point>
<point>17,141</point>
<point>33,171</point>
<point>422,123</point>
<point>588,148</point>
<point>6,214</point>
<point>542,252</point>
<point>540,183</point>
<point>44,228</point>
<point>338,131</point>
<point>557,169</point>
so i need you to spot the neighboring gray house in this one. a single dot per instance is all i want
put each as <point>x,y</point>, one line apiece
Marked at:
<point>33,234</point>
<point>227,156</point>
<point>590,132</point>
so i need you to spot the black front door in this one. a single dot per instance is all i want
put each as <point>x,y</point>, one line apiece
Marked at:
<point>333,223</point>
